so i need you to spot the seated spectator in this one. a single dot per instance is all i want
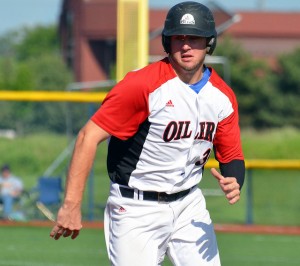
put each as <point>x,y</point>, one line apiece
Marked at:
<point>11,188</point>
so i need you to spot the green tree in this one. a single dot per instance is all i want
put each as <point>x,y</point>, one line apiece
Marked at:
<point>8,42</point>
<point>30,60</point>
<point>254,84</point>
<point>50,75</point>
<point>289,86</point>
<point>289,78</point>
<point>36,42</point>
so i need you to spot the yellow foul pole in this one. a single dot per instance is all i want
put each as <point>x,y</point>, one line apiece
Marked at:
<point>132,36</point>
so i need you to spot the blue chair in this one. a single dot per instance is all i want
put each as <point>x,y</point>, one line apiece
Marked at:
<point>48,199</point>
<point>49,190</point>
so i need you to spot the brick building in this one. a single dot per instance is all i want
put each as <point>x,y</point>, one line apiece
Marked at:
<point>88,34</point>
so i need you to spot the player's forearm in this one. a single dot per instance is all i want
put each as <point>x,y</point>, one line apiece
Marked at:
<point>80,167</point>
<point>235,168</point>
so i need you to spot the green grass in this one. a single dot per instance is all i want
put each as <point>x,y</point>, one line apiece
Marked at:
<point>32,154</point>
<point>29,156</point>
<point>271,144</point>
<point>258,250</point>
<point>275,199</point>
<point>32,246</point>
<point>275,193</point>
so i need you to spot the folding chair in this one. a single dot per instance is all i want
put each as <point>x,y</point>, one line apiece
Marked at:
<point>49,190</point>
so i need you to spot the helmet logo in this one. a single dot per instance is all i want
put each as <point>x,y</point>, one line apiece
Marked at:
<point>187,19</point>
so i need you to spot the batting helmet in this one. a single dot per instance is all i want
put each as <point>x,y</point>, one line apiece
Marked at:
<point>190,18</point>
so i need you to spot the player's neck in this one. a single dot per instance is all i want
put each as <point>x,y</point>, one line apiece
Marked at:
<point>187,75</point>
<point>190,77</point>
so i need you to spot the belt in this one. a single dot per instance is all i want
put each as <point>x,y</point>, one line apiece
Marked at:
<point>154,196</point>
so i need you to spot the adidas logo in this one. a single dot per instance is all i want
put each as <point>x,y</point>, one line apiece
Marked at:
<point>169,103</point>
<point>122,209</point>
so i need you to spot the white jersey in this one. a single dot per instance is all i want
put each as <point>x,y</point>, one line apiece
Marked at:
<point>163,132</point>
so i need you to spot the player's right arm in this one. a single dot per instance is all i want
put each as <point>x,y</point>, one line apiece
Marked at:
<point>69,215</point>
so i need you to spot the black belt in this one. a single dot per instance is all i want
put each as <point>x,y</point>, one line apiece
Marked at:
<point>155,196</point>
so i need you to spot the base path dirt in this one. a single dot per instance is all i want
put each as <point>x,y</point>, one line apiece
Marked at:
<point>258,229</point>
<point>222,228</point>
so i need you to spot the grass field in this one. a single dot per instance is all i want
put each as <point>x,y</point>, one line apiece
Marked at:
<point>32,246</point>
<point>275,193</point>
<point>275,202</point>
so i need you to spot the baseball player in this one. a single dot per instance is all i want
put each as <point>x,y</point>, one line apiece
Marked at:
<point>162,123</point>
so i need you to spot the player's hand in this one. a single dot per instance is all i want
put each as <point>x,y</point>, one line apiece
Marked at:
<point>68,222</point>
<point>229,185</point>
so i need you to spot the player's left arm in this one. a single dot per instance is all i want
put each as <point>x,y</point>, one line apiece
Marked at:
<point>231,163</point>
<point>228,151</point>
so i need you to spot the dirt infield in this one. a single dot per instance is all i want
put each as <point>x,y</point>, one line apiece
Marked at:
<point>222,228</point>
<point>258,229</point>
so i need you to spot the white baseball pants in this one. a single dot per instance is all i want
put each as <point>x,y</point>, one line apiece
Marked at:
<point>141,233</point>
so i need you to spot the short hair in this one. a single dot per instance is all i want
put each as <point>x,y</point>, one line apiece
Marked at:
<point>5,167</point>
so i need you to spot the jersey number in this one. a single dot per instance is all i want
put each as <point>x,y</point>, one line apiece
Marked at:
<point>204,158</point>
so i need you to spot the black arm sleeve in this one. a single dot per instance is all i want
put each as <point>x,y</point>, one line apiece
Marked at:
<point>235,168</point>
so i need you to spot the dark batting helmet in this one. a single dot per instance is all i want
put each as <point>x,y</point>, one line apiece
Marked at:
<point>190,18</point>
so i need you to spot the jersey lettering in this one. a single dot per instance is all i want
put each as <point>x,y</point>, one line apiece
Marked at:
<point>177,130</point>
<point>206,131</point>
<point>180,130</point>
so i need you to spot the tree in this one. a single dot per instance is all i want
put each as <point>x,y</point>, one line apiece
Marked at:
<point>289,79</point>
<point>31,61</point>
<point>36,42</point>
<point>289,85</point>
<point>254,84</point>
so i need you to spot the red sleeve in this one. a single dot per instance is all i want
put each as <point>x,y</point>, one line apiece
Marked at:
<point>124,108</point>
<point>227,141</point>
<point>127,105</point>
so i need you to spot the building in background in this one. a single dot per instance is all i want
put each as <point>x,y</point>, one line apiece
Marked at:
<point>267,34</point>
<point>88,34</point>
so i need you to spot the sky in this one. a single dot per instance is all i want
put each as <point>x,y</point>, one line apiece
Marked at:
<point>15,14</point>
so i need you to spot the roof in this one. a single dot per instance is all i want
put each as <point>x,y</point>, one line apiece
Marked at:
<point>267,24</point>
